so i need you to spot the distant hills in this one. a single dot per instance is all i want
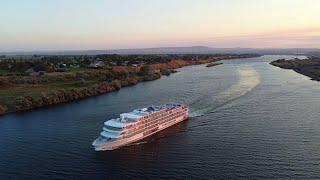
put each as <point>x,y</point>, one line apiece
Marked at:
<point>176,50</point>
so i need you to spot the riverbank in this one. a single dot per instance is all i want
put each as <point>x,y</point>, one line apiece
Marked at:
<point>309,67</point>
<point>20,93</point>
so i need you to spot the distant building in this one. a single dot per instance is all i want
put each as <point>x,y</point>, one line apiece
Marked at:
<point>29,71</point>
<point>96,64</point>
<point>75,65</point>
<point>62,65</point>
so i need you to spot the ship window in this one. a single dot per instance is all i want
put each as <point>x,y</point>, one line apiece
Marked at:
<point>113,128</point>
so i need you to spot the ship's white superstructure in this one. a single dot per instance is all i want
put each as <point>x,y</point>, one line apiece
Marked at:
<point>138,124</point>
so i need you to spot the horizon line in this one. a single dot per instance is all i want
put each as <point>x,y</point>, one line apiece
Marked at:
<point>160,47</point>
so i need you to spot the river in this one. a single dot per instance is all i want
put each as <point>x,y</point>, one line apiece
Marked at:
<point>248,120</point>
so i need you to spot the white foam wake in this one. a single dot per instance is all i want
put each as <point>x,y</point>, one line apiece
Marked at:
<point>249,78</point>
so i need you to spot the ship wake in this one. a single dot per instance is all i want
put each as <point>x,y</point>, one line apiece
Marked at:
<point>249,78</point>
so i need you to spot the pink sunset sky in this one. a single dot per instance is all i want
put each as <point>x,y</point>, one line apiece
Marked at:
<point>113,24</point>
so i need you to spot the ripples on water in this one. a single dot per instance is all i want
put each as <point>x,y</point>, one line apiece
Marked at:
<point>249,120</point>
<point>248,77</point>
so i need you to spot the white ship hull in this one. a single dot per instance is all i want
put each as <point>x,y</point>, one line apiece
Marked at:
<point>127,141</point>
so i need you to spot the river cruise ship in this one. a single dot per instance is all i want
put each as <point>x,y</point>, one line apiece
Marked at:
<point>138,124</point>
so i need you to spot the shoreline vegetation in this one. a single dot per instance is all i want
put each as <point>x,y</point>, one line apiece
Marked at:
<point>39,81</point>
<point>309,67</point>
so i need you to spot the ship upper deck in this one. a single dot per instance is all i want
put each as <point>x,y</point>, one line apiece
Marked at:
<point>135,115</point>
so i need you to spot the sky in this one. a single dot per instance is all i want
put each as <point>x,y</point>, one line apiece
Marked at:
<point>117,24</point>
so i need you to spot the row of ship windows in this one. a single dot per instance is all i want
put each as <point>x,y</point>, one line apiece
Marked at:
<point>140,130</point>
<point>155,124</point>
<point>150,131</point>
<point>169,122</point>
<point>153,121</point>
<point>174,115</point>
<point>160,113</point>
<point>162,119</point>
<point>163,115</point>
<point>149,118</point>
<point>113,128</point>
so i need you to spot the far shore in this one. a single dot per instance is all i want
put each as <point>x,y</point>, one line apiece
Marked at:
<point>309,67</point>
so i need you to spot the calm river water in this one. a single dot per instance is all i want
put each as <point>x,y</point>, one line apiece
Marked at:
<point>249,120</point>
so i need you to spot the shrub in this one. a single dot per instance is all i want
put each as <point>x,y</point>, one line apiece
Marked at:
<point>3,82</point>
<point>2,109</point>
<point>144,70</point>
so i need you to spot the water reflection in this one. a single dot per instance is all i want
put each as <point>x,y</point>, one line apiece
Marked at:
<point>149,146</point>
